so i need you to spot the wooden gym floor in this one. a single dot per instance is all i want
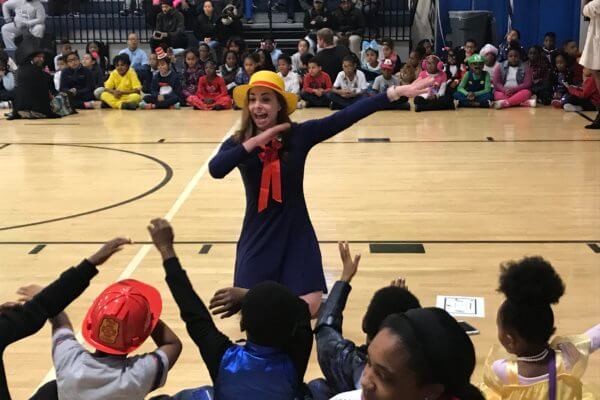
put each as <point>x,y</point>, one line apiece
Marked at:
<point>474,187</point>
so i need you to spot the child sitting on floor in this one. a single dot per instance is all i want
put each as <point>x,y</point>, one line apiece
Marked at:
<point>453,71</point>
<point>316,85</point>
<point>118,322</point>
<point>7,85</point>
<point>411,70</point>
<point>436,98</point>
<point>191,74</point>
<point>290,78</point>
<point>122,88</point>
<point>166,86</point>
<point>250,65</point>
<point>212,91</point>
<point>512,82</point>
<point>229,70</point>
<point>388,53</point>
<point>583,99</point>
<point>542,75</point>
<point>530,366</point>
<point>564,75</point>
<point>490,53</point>
<point>303,48</point>
<point>370,65</point>
<point>475,89</point>
<point>349,86</point>
<point>387,80</point>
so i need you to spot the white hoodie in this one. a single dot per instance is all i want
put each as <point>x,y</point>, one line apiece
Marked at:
<point>27,13</point>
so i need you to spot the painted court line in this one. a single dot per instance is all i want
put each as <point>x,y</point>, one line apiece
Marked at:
<point>143,251</point>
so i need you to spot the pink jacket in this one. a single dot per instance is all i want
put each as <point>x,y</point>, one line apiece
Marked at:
<point>499,81</point>
<point>439,80</point>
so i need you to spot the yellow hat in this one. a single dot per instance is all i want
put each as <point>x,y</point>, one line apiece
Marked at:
<point>269,80</point>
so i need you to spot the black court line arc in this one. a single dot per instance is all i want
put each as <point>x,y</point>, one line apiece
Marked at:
<point>4,145</point>
<point>168,175</point>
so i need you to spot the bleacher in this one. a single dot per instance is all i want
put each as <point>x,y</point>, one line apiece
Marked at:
<point>99,20</point>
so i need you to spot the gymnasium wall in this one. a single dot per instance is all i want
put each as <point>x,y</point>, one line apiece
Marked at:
<point>532,18</point>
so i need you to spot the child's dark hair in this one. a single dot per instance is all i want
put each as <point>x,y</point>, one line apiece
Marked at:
<point>286,58</point>
<point>389,42</point>
<point>471,40</point>
<point>370,49</point>
<point>351,58</point>
<point>538,49</point>
<point>123,58</point>
<point>560,53</point>
<point>239,42</point>
<point>420,50</point>
<point>190,50</point>
<point>252,56</point>
<point>531,286</point>
<point>210,62</point>
<point>516,30</point>
<point>550,34</point>
<point>305,41</point>
<point>307,58</point>
<point>387,301</point>
<point>270,314</point>
<point>515,45</point>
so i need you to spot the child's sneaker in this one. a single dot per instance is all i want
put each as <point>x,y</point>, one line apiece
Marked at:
<point>4,105</point>
<point>572,108</point>
<point>529,103</point>
<point>129,106</point>
<point>146,106</point>
<point>175,106</point>
<point>556,103</point>
<point>499,104</point>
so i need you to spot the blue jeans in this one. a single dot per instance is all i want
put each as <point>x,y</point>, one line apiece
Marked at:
<point>482,99</point>
<point>201,393</point>
<point>248,9</point>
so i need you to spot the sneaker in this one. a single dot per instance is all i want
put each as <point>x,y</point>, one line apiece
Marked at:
<point>4,105</point>
<point>556,103</point>
<point>138,12</point>
<point>529,103</point>
<point>123,13</point>
<point>499,104</point>
<point>290,20</point>
<point>129,106</point>
<point>595,124</point>
<point>301,104</point>
<point>249,21</point>
<point>456,103</point>
<point>175,106</point>
<point>568,107</point>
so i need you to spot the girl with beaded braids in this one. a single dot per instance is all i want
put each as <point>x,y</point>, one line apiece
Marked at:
<point>535,368</point>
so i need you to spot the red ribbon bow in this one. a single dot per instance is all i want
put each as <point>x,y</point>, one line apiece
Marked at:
<point>271,174</point>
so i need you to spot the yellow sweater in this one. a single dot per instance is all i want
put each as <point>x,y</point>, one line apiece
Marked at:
<point>129,81</point>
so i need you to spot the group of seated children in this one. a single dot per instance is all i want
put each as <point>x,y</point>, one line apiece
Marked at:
<point>402,356</point>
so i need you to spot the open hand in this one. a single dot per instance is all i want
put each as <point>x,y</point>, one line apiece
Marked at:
<point>162,234</point>
<point>350,266</point>
<point>418,87</point>
<point>227,301</point>
<point>28,292</point>
<point>471,96</point>
<point>266,136</point>
<point>399,282</point>
<point>111,247</point>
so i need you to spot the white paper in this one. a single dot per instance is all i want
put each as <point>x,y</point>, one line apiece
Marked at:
<point>462,306</point>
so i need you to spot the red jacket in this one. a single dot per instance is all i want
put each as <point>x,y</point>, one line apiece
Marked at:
<point>211,90</point>
<point>323,81</point>
<point>588,91</point>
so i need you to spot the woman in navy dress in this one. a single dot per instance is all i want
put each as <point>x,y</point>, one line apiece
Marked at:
<point>278,241</point>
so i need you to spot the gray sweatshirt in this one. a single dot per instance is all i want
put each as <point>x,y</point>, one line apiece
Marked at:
<point>27,13</point>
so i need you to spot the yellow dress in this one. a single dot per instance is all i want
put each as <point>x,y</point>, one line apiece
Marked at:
<point>568,377</point>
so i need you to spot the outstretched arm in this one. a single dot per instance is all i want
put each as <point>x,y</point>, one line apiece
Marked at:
<point>230,155</point>
<point>200,326</point>
<point>319,130</point>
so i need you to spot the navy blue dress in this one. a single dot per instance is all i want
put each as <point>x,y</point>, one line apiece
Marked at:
<point>279,243</point>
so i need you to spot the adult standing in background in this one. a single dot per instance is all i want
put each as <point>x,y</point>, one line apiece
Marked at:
<point>348,22</point>
<point>590,58</point>
<point>170,27</point>
<point>29,16</point>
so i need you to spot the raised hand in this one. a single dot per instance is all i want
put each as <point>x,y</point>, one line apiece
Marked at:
<point>162,236</point>
<point>399,282</point>
<point>265,137</point>
<point>111,247</point>
<point>350,266</point>
<point>28,292</point>
<point>420,86</point>
<point>227,301</point>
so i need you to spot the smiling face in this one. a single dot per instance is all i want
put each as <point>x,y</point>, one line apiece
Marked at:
<point>121,68</point>
<point>263,106</point>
